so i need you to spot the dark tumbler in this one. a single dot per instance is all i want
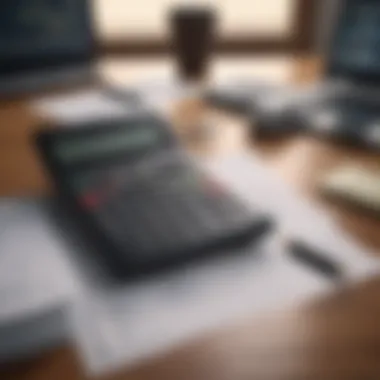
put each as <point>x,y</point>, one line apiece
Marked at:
<point>192,36</point>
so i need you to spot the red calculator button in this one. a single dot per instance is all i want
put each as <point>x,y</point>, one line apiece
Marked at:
<point>90,200</point>
<point>215,187</point>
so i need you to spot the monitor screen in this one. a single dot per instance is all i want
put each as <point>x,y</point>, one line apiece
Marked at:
<point>40,33</point>
<point>355,49</point>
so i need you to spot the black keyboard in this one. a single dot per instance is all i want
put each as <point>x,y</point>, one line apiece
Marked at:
<point>155,211</point>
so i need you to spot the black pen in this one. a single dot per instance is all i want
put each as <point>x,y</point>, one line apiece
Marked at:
<point>316,260</point>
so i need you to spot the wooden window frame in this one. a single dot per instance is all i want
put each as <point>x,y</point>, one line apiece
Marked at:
<point>301,41</point>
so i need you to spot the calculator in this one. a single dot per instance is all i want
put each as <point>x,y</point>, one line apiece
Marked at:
<point>141,198</point>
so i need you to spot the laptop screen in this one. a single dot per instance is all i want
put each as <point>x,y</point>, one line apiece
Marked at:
<point>36,34</point>
<point>355,48</point>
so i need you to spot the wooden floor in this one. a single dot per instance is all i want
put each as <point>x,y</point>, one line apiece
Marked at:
<point>333,339</point>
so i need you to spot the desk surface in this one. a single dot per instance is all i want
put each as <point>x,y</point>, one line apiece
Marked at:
<point>338,338</point>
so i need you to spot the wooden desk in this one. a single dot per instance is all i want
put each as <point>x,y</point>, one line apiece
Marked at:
<point>338,338</point>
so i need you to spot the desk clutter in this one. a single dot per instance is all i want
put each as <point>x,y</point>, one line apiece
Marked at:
<point>336,110</point>
<point>346,113</point>
<point>344,106</point>
<point>293,253</point>
<point>121,324</point>
<point>145,247</point>
<point>308,257</point>
<point>333,110</point>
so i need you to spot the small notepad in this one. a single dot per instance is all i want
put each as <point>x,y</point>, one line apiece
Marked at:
<point>355,184</point>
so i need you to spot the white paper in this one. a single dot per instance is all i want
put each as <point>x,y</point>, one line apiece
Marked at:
<point>160,94</point>
<point>297,217</point>
<point>84,106</point>
<point>123,327</point>
<point>35,275</point>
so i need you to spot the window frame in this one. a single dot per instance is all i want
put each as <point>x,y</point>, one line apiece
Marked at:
<point>303,39</point>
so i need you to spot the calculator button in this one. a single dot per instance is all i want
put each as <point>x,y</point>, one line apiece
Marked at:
<point>181,219</point>
<point>125,224</point>
<point>145,228</point>
<point>164,209</point>
<point>90,200</point>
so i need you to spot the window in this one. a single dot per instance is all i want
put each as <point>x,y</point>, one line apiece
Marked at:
<point>118,18</point>
<point>130,21</point>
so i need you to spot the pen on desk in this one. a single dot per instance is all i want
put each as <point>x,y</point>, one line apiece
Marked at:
<point>317,260</point>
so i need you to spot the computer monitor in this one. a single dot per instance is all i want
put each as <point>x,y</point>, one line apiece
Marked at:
<point>354,52</point>
<point>42,35</point>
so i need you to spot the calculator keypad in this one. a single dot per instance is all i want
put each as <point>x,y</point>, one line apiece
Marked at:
<point>165,207</point>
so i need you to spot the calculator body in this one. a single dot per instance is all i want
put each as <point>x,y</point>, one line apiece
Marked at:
<point>140,198</point>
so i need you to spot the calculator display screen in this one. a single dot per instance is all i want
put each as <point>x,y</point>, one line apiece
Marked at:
<point>92,146</point>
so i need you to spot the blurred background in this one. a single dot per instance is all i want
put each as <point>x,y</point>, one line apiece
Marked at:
<point>277,25</point>
<point>277,101</point>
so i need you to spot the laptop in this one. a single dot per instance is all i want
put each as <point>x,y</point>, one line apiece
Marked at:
<point>346,105</point>
<point>45,44</point>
